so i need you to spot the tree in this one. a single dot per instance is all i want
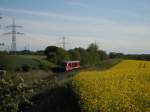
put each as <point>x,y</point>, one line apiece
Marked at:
<point>93,47</point>
<point>115,55</point>
<point>84,56</point>
<point>102,55</point>
<point>93,51</point>
<point>62,55</point>
<point>56,54</point>
<point>74,54</point>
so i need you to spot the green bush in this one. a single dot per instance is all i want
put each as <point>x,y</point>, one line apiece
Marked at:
<point>26,68</point>
<point>13,93</point>
<point>42,67</point>
<point>18,69</point>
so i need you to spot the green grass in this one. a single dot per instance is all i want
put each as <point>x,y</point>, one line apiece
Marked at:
<point>12,62</point>
<point>106,64</point>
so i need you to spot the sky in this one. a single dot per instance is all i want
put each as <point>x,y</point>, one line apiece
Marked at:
<point>115,25</point>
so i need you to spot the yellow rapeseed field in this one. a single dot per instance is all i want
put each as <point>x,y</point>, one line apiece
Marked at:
<point>123,88</point>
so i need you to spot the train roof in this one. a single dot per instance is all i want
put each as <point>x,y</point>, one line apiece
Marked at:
<point>76,61</point>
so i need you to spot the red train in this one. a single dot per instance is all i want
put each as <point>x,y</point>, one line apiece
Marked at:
<point>67,66</point>
<point>70,65</point>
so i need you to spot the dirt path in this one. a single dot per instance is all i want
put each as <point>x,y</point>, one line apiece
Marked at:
<point>60,99</point>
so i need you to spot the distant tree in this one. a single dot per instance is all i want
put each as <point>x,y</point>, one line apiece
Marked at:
<point>93,53</point>
<point>93,47</point>
<point>112,55</point>
<point>56,54</point>
<point>23,52</point>
<point>49,50</point>
<point>74,54</point>
<point>52,56</point>
<point>84,56</point>
<point>137,56</point>
<point>115,55</point>
<point>90,56</point>
<point>3,52</point>
<point>102,55</point>
<point>62,55</point>
<point>40,52</point>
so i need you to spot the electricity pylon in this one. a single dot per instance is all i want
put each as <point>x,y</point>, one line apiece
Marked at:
<point>14,33</point>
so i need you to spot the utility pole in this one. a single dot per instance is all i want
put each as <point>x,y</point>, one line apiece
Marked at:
<point>64,42</point>
<point>95,44</point>
<point>1,18</point>
<point>13,33</point>
<point>1,44</point>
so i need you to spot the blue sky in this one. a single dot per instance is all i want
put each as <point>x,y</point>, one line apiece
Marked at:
<point>116,25</point>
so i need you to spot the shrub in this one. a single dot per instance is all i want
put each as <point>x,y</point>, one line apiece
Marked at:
<point>26,68</point>
<point>43,67</point>
<point>2,74</point>
<point>18,69</point>
<point>13,93</point>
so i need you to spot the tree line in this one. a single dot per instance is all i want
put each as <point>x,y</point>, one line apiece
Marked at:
<point>92,55</point>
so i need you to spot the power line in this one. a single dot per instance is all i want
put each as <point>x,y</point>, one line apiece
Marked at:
<point>63,42</point>
<point>1,44</point>
<point>0,15</point>
<point>14,33</point>
<point>1,18</point>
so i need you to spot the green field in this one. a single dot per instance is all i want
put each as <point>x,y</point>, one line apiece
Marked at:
<point>12,62</point>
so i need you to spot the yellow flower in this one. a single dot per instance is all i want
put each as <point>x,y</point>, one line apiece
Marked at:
<point>123,88</point>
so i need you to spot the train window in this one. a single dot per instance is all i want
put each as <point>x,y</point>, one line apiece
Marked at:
<point>74,64</point>
<point>70,65</point>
